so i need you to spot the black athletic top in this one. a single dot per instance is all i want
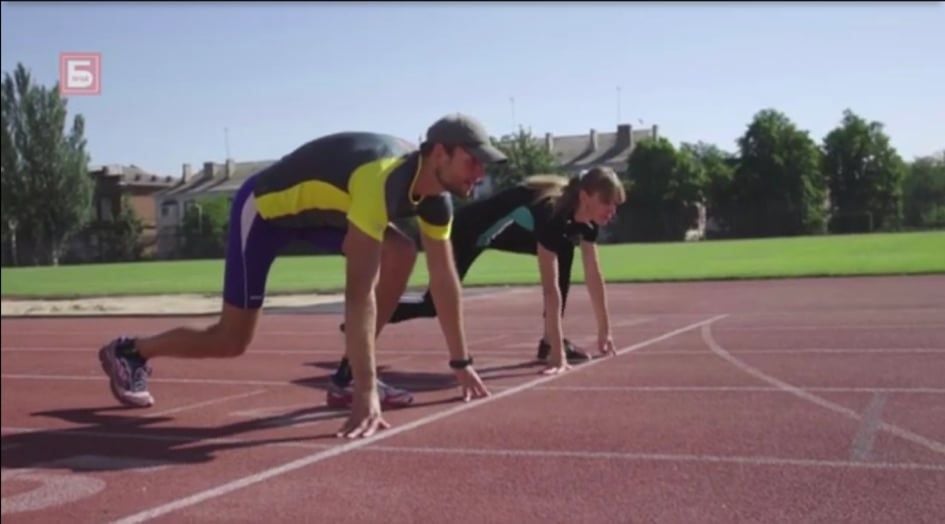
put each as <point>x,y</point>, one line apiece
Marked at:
<point>517,220</point>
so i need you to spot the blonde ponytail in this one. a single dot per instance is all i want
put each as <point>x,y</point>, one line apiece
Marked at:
<point>564,191</point>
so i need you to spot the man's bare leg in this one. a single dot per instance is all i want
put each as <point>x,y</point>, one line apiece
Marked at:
<point>124,360</point>
<point>229,336</point>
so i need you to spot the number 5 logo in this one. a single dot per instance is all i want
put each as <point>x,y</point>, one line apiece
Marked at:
<point>80,73</point>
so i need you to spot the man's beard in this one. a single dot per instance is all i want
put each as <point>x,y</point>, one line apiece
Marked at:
<point>457,190</point>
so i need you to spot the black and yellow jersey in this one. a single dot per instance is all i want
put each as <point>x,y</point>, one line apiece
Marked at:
<point>363,178</point>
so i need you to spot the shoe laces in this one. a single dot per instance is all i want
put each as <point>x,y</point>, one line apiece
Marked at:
<point>139,377</point>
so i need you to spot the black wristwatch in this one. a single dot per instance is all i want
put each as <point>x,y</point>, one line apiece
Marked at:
<point>461,363</point>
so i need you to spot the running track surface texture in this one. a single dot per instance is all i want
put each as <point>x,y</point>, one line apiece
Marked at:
<point>819,400</point>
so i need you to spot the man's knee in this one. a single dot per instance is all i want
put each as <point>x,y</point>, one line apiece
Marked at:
<point>234,332</point>
<point>236,343</point>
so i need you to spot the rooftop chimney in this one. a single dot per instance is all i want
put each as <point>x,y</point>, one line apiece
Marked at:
<point>549,142</point>
<point>656,131</point>
<point>230,168</point>
<point>624,136</point>
<point>208,169</point>
<point>186,173</point>
<point>594,143</point>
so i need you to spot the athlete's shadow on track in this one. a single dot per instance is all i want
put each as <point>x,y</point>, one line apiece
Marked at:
<point>139,440</point>
<point>131,439</point>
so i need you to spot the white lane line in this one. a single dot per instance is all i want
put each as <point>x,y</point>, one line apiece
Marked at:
<point>382,354</point>
<point>249,480</point>
<point>236,382</point>
<point>176,438</point>
<point>832,327</point>
<point>927,443</point>
<point>738,389</point>
<point>276,416</point>
<point>798,351</point>
<point>223,382</point>
<point>408,385</point>
<point>632,322</point>
<point>517,290</point>
<point>492,339</point>
<point>210,402</point>
<point>664,457</point>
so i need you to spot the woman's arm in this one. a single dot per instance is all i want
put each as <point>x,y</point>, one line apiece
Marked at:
<point>548,268</point>
<point>598,292</point>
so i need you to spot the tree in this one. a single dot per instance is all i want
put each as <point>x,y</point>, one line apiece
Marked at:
<point>718,170</point>
<point>779,188</point>
<point>924,193</point>
<point>865,176</point>
<point>665,189</point>
<point>526,157</point>
<point>204,228</point>
<point>46,189</point>
<point>119,237</point>
<point>15,208</point>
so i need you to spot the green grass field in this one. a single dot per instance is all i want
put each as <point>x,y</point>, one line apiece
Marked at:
<point>875,254</point>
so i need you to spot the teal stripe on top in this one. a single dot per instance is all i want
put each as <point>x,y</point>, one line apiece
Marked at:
<point>520,215</point>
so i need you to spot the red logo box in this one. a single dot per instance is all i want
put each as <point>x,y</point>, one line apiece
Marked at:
<point>80,73</point>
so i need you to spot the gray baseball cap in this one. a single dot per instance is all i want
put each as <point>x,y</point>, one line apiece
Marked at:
<point>458,129</point>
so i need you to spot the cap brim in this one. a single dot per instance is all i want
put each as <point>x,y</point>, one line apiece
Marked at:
<point>488,154</point>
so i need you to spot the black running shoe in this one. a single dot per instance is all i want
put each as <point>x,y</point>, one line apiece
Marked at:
<point>572,353</point>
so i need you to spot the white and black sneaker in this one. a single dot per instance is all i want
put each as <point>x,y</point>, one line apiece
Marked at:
<point>127,371</point>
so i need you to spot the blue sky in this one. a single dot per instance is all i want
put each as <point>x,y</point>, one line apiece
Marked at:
<point>175,75</point>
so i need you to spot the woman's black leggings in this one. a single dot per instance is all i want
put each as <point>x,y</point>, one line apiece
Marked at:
<point>465,252</point>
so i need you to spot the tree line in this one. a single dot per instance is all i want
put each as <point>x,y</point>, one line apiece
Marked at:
<point>779,182</point>
<point>46,189</point>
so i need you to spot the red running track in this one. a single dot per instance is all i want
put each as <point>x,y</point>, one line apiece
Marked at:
<point>817,400</point>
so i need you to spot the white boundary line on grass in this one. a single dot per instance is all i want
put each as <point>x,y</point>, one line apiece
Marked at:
<point>249,480</point>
